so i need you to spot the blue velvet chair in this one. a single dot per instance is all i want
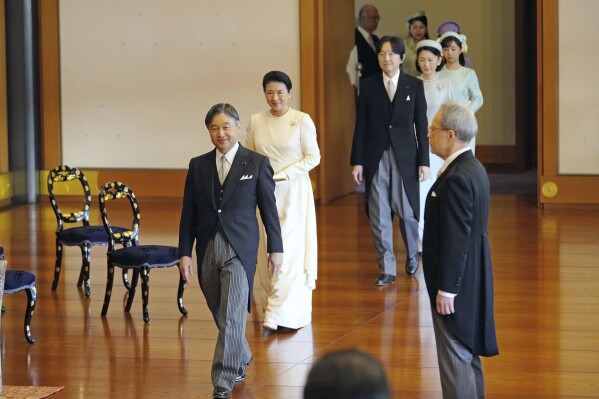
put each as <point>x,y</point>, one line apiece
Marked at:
<point>84,236</point>
<point>141,259</point>
<point>17,281</point>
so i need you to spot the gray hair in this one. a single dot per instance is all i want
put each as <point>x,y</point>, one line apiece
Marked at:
<point>460,119</point>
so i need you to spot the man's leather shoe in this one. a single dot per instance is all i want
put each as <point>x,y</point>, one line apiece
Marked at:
<point>221,393</point>
<point>411,267</point>
<point>384,279</point>
<point>240,373</point>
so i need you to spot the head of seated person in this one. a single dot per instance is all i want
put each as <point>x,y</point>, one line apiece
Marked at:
<point>348,374</point>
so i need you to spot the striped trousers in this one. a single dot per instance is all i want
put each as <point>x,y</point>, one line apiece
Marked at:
<point>225,286</point>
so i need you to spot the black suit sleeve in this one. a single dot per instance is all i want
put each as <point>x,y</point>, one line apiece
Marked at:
<point>265,192</point>
<point>457,210</point>
<point>188,217</point>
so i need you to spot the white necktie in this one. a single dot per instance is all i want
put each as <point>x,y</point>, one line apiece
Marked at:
<point>222,173</point>
<point>391,90</point>
<point>371,43</point>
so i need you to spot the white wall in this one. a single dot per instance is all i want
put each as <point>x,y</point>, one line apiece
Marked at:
<point>137,77</point>
<point>578,132</point>
<point>489,27</point>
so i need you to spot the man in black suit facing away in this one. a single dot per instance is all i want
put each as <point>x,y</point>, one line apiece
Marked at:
<point>390,154</point>
<point>456,257</point>
<point>222,190</point>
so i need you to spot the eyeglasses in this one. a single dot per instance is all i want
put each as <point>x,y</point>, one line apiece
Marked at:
<point>432,129</point>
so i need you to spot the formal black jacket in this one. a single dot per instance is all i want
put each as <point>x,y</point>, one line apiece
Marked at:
<point>249,184</point>
<point>401,125</point>
<point>455,252</point>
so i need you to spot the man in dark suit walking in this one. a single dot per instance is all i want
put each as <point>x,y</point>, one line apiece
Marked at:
<point>222,190</point>
<point>390,153</point>
<point>456,257</point>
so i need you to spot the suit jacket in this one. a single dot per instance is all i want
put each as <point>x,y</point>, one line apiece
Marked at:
<point>456,257</point>
<point>367,56</point>
<point>249,184</point>
<point>401,124</point>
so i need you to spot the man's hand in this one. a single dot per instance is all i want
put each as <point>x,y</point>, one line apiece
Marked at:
<point>275,262</point>
<point>357,173</point>
<point>423,173</point>
<point>186,268</point>
<point>444,305</point>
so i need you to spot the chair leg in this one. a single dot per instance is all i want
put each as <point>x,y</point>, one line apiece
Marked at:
<point>126,279</point>
<point>57,264</point>
<point>145,292</point>
<point>84,273</point>
<point>31,301</point>
<point>180,295</point>
<point>132,287</point>
<point>109,280</point>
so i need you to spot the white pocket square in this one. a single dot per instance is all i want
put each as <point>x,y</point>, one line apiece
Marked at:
<point>246,177</point>
<point>408,98</point>
<point>433,194</point>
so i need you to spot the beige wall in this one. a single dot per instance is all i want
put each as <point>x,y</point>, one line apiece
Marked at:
<point>578,95</point>
<point>137,77</point>
<point>489,27</point>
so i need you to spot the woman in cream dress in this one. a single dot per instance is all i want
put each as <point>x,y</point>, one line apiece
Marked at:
<point>464,79</point>
<point>437,90</point>
<point>288,138</point>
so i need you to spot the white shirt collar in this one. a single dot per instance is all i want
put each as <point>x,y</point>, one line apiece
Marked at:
<point>230,155</point>
<point>364,33</point>
<point>451,158</point>
<point>395,79</point>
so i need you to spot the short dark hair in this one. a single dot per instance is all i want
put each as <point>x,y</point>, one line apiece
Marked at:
<point>435,52</point>
<point>397,45</point>
<point>276,76</point>
<point>221,108</point>
<point>348,374</point>
<point>452,39</point>
<point>421,18</point>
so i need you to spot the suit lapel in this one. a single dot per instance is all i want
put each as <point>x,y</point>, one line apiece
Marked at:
<point>462,157</point>
<point>240,164</point>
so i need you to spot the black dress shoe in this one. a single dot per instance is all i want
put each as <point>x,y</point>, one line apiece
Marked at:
<point>384,279</point>
<point>240,373</point>
<point>221,393</point>
<point>411,267</point>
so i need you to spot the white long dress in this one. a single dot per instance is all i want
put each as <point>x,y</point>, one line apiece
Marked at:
<point>290,144</point>
<point>467,89</point>
<point>437,92</point>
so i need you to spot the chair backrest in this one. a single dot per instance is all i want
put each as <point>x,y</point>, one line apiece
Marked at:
<point>63,174</point>
<point>113,191</point>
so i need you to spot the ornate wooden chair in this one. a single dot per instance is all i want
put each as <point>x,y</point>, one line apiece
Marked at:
<point>139,258</point>
<point>16,281</point>
<point>85,236</point>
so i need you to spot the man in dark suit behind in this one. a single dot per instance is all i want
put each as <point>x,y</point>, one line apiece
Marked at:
<point>364,52</point>
<point>390,153</point>
<point>222,190</point>
<point>456,257</point>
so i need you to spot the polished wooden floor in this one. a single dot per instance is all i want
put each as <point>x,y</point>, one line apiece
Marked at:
<point>546,266</point>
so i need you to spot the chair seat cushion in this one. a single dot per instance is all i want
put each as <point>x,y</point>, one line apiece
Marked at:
<point>18,280</point>
<point>92,235</point>
<point>145,256</point>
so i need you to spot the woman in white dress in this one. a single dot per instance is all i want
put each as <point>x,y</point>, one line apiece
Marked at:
<point>288,138</point>
<point>464,79</point>
<point>437,90</point>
